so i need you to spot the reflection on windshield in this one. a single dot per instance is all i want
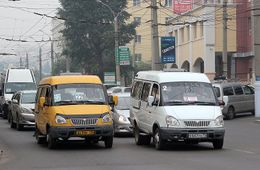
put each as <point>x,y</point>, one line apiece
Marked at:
<point>28,98</point>
<point>183,93</point>
<point>10,88</point>
<point>78,94</point>
<point>123,103</point>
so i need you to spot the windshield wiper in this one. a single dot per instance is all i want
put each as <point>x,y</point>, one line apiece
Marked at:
<point>203,103</point>
<point>91,102</point>
<point>177,102</point>
<point>66,102</point>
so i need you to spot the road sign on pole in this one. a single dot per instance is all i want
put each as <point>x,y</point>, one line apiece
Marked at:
<point>109,78</point>
<point>123,55</point>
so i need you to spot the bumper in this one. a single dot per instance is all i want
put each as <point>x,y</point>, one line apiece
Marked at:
<point>127,128</point>
<point>200,135</point>
<point>27,119</point>
<point>92,132</point>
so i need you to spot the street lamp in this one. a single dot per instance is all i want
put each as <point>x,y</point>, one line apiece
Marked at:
<point>115,15</point>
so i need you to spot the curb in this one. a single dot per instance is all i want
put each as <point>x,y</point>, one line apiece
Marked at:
<point>257,121</point>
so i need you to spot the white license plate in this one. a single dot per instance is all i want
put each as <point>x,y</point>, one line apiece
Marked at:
<point>197,135</point>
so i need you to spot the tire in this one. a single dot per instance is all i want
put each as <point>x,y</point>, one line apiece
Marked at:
<point>159,143</point>
<point>141,139</point>
<point>108,142</point>
<point>39,140</point>
<point>12,124</point>
<point>51,142</point>
<point>19,127</point>
<point>231,113</point>
<point>218,144</point>
<point>253,112</point>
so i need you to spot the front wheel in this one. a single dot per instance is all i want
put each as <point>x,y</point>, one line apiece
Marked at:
<point>218,144</point>
<point>12,124</point>
<point>51,142</point>
<point>231,113</point>
<point>19,127</point>
<point>159,143</point>
<point>108,142</point>
<point>39,139</point>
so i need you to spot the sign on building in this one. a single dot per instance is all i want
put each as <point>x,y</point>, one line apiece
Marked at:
<point>123,55</point>
<point>109,78</point>
<point>181,6</point>
<point>168,50</point>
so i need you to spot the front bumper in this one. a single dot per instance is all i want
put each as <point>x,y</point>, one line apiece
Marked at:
<point>209,134</point>
<point>27,119</point>
<point>67,132</point>
<point>123,128</point>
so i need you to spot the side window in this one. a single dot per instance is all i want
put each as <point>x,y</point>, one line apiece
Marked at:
<point>137,89</point>
<point>248,90</point>
<point>48,95</point>
<point>117,91</point>
<point>146,91</point>
<point>228,91</point>
<point>238,90</point>
<point>155,93</point>
<point>38,95</point>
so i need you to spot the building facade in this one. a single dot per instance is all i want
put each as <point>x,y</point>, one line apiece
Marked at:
<point>199,38</point>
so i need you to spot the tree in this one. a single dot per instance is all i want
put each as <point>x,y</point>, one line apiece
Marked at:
<point>89,33</point>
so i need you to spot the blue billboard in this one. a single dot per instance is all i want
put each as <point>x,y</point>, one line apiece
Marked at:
<point>168,50</point>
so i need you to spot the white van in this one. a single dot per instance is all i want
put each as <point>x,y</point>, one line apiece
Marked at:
<point>175,107</point>
<point>16,79</point>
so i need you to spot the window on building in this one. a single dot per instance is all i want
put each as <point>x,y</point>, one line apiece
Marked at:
<point>201,29</point>
<point>195,31</point>
<point>138,38</point>
<point>182,35</point>
<point>168,3</point>
<point>138,57</point>
<point>137,20</point>
<point>188,33</point>
<point>136,2</point>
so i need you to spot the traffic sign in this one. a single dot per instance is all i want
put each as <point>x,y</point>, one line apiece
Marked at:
<point>123,55</point>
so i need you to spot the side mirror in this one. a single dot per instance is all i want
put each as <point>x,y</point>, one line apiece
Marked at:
<point>221,103</point>
<point>15,101</point>
<point>150,100</point>
<point>115,99</point>
<point>42,101</point>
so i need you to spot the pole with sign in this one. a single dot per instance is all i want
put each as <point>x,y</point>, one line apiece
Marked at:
<point>168,50</point>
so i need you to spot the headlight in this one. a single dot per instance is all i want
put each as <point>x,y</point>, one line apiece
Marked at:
<point>107,118</point>
<point>24,110</point>
<point>172,122</point>
<point>219,121</point>
<point>123,119</point>
<point>60,120</point>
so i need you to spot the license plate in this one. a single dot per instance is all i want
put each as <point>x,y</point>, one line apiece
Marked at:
<point>197,136</point>
<point>85,132</point>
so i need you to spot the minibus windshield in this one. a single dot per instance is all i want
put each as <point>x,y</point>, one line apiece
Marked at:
<point>70,94</point>
<point>186,93</point>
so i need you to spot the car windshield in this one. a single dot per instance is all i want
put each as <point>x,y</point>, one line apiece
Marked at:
<point>123,103</point>
<point>186,93</point>
<point>69,94</point>
<point>10,88</point>
<point>28,98</point>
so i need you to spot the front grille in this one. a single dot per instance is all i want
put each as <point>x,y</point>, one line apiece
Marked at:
<point>84,121</point>
<point>193,123</point>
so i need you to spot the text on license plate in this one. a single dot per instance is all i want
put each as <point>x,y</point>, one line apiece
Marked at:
<point>197,135</point>
<point>85,132</point>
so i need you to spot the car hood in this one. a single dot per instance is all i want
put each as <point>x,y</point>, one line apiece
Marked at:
<point>82,109</point>
<point>28,106</point>
<point>125,113</point>
<point>193,112</point>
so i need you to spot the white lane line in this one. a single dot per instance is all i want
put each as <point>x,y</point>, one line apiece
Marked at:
<point>244,151</point>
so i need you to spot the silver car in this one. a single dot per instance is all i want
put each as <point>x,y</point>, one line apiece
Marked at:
<point>121,114</point>
<point>22,109</point>
<point>237,97</point>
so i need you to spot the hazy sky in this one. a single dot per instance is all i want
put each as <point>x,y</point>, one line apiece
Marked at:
<point>18,22</point>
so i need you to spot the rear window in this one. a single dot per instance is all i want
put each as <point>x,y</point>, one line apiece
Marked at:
<point>238,90</point>
<point>228,91</point>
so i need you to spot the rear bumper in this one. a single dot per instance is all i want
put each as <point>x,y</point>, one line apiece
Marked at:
<point>67,132</point>
<point>209,134</point>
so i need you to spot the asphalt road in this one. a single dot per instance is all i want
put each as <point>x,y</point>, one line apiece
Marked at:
<point>241,152</point>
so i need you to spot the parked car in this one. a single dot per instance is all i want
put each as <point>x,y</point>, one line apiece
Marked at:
<point>118,89</point>
<point>22,109</point>
<point>237,97</point>
<point>175,107</point>
<point>121,114</point>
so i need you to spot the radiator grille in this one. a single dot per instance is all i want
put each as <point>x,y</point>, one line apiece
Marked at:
<point>84,121</point>
<point>196,123</point>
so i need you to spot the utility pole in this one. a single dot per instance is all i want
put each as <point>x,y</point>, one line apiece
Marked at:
<point>52,59</point>
<point>27,60</point>
<point>118,76</point>
<point>155,37</point>
<point>224,53</point>
<point>256,42</point>
<point>40,62</point>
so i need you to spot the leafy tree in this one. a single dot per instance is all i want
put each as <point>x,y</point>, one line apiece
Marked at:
<point>89,33</point>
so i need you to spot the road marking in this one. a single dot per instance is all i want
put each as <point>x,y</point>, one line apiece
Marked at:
<point>244,151</point>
